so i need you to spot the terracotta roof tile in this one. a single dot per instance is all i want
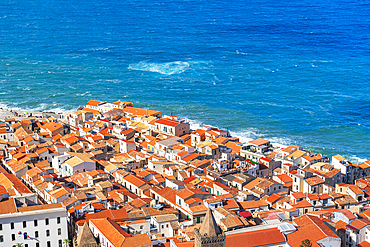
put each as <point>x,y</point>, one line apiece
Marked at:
<point>312,228</point>
<point>265,237</point>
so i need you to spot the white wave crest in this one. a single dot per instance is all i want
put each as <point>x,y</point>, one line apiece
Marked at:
<point>356,159</point>
<point>246,135</point>
<point>83,94</point>
<point>41,107</point>
<point>24,88</point>
<point>169,68</point>
<point>58,94</point>
<point>194,124</point>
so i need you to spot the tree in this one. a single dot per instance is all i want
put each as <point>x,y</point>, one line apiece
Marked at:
<point>306,243</point>
<point>66,242</point>
<point>18,245</point>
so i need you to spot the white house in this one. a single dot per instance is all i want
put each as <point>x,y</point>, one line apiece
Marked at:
<point>163,224</point>
<point>78,163</point>
<point>126,146</point>
<point>172,127</point>
<point>6,135</point>
<point>57,161</point>
<point>39,225</point>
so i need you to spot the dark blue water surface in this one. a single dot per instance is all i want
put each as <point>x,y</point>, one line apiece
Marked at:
<point>292,72</point>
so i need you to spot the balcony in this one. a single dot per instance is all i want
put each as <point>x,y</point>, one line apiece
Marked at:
<point>153,229</point>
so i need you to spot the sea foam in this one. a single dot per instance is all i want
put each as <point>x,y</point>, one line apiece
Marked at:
<point>168,68</point>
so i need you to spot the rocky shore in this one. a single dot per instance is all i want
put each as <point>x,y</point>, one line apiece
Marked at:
<point>23,114</point>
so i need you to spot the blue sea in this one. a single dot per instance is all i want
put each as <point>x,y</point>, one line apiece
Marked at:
<point>294,72</point>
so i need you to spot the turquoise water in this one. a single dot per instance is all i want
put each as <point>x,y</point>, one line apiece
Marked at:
<point>292,72</point>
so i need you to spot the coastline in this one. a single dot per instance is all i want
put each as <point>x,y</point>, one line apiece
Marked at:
<point>61,115</point>
<point>6,113</point>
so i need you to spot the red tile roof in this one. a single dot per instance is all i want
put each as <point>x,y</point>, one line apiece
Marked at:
<point>168,122</point>
<point>302,204</point>
<point>253,204</point>
<point>265,237</point>
<point>116,215</point>
<point>111,230</point>
<point>190,157</point>
<point>138,182</point>
<point>312,181</point>
<point>274,198</point>
<point>364,244</point>
<point>40,207</point>
<point>8,206</point>
<point>360,223</point>
<point>312,228</point>
<point>259,142</point>
<point>355,189</point>
<point>298,195</point>
<point>94,102</point>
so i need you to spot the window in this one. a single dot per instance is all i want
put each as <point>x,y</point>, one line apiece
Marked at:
<point>58,220</point>
<point>162,226</point>
<point>24,224</point>
<point>1,238</point>
<point>36,234</point>
<point>48,244</point>
<point>46,221</point>
<point>47,233</point>
<point>60,243</point>
<point>25,235</point>
<point>12,225</point>
<point>167,225</point>
<point>35,222</point>
<point>198,220</point>
<point>13,237</point>
<point>37,244</point>
<point>26,245</point>
<point>141,227</point>
<point>1,227</point>
<point>59,231</point>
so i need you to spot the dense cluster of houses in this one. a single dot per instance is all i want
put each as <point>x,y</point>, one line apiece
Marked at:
<point>111,174</point>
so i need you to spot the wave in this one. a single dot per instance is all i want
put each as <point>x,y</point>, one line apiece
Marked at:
<point>24,88</point>
<point>242,53</point>
<point>58,94</point>
<point>194,124</point>
<point>246,135</point>
<point>96,49</point>
<point>41,107</point>
<point>83,94</point>
<point>356,159</point>
<point>168,68</point>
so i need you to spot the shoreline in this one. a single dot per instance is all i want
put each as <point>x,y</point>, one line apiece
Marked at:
<point>6,113</point>
<point>61,115</point>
